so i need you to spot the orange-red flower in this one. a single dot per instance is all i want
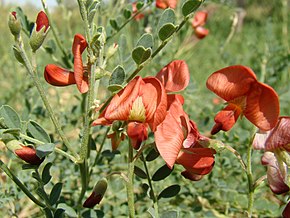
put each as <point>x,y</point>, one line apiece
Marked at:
<point>238,85</point>
<point>163,4</point>
<point>58,76</point>
<point>42,21</point>
<point>198,22</point>
<point>276,143</point>
<point>141,103</point>
<point>178,141</point>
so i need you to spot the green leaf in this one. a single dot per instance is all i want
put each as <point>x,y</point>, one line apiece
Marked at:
<point>166,31</point>
<point>168,16</point>
<point>37,132</point>
<point>46,177</point>
<point>139,172</point>
<point>169,214</point>
<point>114,24</point>
<point>152,155</point>
<point>127,13</point>
<point>48,213</point>
<point>59,213</point>
<point>190,6</point>
<point>161,173</point>
<point>140,54</point>
<point>14,132</point>
<point>11,118</point>
<point>146,41</point>
<point>169,192</point>
<point>118,76</point>
<point>68,210</point>
<point>139,5</point>
<point>44,150</point>
<point>55,193</point>
<point>114,88</point>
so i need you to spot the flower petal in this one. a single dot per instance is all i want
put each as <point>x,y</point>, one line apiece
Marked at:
<point>280,135</point>
<point>260,139</point>
<point>226,118</point>
<point>231,82</point>
<point>79,45</point>
<point>42,21</point>
<point>191,176</point>
<point>137,132</point>
<point>199,19</point>
<point>163,4</point>
<point>58,76</point>
<point>201,32</point>
<point>274,175</point>
<point>169,138</point>
<point>262,107</point>
<point>121,104</point>
<point>286,211</point>
<point>174,76</point>
<point>161,102</point>
<point>196,160</point>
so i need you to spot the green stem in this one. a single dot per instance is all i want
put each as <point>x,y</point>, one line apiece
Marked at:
<point>36,141</point>
<point>42,94</point>
<point>56,34</point>
<point>129,183</point>
<point>237,154</point>
<point>20,184</point>
<point>155,200</point>
<point>128,21</point>
<point>250,176</point>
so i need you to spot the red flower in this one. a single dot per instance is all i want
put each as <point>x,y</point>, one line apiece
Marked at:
<point>28,154</point>
<point>141,103</point>
<point>198,22</point>
<point>178,141</point>
<point>58,76</point>
<point>238,85</point>
<point>276,143</point>
<point>97,194</point>
<point>163,4</point>
<point>135,10</point>
<point>42,21</point>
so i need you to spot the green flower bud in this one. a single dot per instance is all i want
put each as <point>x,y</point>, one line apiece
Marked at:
<point>14,24</point>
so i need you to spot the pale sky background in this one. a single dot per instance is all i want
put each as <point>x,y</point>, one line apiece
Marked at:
<point>37,3</point>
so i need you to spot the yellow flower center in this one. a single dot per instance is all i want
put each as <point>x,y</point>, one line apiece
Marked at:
<point>138,112</point>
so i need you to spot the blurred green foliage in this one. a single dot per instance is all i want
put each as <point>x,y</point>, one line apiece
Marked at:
<point>259,41</point>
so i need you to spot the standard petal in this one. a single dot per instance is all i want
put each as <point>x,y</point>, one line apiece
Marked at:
<point>262,107</point>
<point>121,104</point>
<point>174,76</point>
<point>169,138</point>
<point>161,102</point>
<point>79,45</point>
<point>231,82</point>
<point>58,76</point>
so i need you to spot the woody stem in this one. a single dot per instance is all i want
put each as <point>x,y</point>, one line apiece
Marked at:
<point>42,94</point>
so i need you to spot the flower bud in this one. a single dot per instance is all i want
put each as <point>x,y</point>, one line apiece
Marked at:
<point>14,24</point>
<point>39,31</point>
<point>97,195</point>
<point>28,154</point>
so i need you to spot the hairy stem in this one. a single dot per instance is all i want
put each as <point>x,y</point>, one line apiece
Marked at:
<point>9,173</point>
<point>130,184</point>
